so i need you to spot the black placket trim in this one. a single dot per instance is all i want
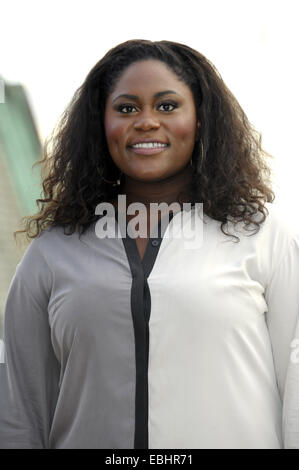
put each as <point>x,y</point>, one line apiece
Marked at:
<point>141,309</point>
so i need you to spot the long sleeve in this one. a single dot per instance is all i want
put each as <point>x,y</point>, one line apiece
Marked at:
<point>30,374</point>
<point>214,374</point>
<point>282,297</point>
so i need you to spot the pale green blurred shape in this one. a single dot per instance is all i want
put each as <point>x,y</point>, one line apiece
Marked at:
<point>20,185</point>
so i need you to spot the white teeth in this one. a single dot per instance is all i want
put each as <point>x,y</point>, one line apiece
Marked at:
<point>148,145</point>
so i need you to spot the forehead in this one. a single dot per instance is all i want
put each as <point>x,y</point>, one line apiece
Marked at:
<point>148,75</point>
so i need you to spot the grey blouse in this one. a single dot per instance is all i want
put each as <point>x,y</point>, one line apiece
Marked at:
<point>189,348</point>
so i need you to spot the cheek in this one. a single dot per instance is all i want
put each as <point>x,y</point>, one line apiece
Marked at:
<point>113,133</point>
<point>184,130</point>
<point>114,130</point>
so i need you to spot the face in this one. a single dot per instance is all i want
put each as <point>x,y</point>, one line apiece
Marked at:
<point>157,108</point>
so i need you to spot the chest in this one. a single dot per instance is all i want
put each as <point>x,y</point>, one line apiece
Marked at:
<point>142,242</point>
<point>141,246</point>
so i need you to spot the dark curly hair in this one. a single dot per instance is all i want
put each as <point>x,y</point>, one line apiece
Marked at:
<point>230,174</point>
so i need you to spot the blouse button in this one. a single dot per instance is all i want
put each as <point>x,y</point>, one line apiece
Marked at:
<point>155,242</point>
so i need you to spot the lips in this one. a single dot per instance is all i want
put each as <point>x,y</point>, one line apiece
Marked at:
<point>149,145</point>
<point>146,141</point>
<point>153,150</point>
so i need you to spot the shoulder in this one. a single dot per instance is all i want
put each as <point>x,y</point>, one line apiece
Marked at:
<point>267,244</point>
<point>42,245</point>
<point>48,248</point>
<point>276,226</point>
<point>279,216</point>
<point>278,239</point>
<point>58,238</point>
<point>280,226</point>
<point>46,254</point>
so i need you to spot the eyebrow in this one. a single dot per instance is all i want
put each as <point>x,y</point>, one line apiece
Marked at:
<point>135,97</point>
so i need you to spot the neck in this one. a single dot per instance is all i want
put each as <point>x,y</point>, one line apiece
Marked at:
<point>174,189</point>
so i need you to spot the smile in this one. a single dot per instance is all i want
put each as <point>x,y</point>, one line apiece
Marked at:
<point>148,148</point>
<point>148,145</point>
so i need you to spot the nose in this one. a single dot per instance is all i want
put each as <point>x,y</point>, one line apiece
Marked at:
<point>146,121</point>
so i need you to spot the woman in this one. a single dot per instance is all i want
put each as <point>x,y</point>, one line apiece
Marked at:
<point>127,342</point>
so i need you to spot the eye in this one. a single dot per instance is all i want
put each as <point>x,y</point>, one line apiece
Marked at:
<point>167,104</point>
<point>124,108</point>
<point>127,108</point>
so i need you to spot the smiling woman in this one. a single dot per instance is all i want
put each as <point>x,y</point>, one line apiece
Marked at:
<point>116,342</point>
<point>160,125</point>
<point>210,131</point>
<point>165,118</point>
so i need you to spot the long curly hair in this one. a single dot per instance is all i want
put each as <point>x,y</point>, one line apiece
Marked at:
<point>230,173</point>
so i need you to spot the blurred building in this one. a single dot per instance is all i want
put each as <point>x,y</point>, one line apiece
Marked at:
<point>20,148</point>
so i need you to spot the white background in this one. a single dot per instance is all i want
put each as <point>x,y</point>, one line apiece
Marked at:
<point>50,46</point>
